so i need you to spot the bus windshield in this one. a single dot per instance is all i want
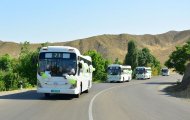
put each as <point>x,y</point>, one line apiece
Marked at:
<point>164,70</point>
<point>140,70</point>
<point>57,64</point>
<point>114,70</point>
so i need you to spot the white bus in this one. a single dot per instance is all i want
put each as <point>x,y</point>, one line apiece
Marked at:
<point>165,72</point>
<point>119,73</point>
<point>143,72</point>
<point>63,70</point>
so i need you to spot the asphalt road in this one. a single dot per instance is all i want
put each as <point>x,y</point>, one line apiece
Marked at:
<point>135,100</point>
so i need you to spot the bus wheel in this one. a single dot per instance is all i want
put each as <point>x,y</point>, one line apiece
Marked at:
<point>47,95</point>
<point>87,91</point>
<point>78,95</point>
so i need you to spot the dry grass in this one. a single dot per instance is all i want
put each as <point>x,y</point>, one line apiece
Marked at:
<point>115,46</point>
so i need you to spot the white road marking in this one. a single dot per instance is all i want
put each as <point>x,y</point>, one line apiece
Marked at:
<point>92,100</point>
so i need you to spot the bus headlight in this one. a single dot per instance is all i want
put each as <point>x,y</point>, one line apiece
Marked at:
<point>73,86</point>
<point>72,80</point>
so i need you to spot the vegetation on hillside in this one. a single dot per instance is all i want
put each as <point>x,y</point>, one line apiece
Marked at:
<point>21,71</point>
<point>131,57</point>
<point>143,57</point>
<point>100,64</point>
<point>117,61</point>
<point>179,60</point>
<point>115,46</point>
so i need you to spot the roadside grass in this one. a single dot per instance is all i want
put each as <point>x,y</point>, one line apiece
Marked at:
<point>15,90</point>
<point>98,81</point>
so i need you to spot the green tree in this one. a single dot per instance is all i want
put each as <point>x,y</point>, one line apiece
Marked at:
<point>2,82</point>
<point>179,58</point>
<point>180,61</point>
<point>131,57</point>
<point>117,61</point>
<point>24,48</point>
<point>100,64</point>
<point>156,67</point>
<point>27,66</point>
<point>6,63</point>
<point>8,77</point>
<point>145,58</point>
<point>10,80</point>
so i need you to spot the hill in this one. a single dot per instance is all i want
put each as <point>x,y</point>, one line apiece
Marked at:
<point>115,46</point>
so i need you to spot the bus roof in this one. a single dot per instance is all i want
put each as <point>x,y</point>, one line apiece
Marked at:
<point>60,49</point>
<point>64,49</point>
<point>87,57</point>
<point>118,65</point>
<point>114,65</point>
<point>126,66</point>
<point>140,67</point>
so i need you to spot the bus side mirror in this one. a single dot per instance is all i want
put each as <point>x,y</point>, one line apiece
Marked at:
<point>80,65</point>
<point>92,69</point>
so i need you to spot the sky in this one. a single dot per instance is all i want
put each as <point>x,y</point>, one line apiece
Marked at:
<point>39,21</point>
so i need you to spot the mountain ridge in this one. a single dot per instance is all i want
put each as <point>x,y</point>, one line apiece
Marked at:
<point>115,46</point>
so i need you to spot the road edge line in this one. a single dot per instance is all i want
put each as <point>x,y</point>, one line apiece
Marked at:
<point>92,100</point>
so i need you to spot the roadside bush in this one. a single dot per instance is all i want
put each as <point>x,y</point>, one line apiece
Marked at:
<point>27,65</point>
<point>100,64</point>
<point>2,83</point>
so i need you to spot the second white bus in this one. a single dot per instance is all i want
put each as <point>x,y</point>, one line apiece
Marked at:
<point>119,73</point>
<point>143,72</point>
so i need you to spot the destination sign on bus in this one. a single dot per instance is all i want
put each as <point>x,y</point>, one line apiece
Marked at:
<point>57,55</point>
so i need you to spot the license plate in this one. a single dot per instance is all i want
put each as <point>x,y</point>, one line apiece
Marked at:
<point>55,91</point>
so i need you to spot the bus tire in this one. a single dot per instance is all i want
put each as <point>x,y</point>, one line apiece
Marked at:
<point>87,91</point>
<point>77,95</point>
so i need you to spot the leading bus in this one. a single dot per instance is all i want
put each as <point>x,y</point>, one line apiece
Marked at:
<point>63,70</point>
<point>119,73</point>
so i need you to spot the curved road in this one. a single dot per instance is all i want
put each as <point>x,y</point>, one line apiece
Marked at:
<point>135,100</point>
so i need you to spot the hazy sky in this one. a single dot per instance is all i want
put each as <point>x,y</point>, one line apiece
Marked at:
<point>63,20</point>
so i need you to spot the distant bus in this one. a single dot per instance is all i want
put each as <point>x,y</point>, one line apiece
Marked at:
<point>119,73</point>
<point>143,72</point>
<point>63,70</point>
<point>165,72</point>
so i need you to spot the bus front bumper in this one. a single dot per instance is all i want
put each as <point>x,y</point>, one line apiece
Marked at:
<point>114,78</point>
<point>57,91</point>
<point>140,76</point>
